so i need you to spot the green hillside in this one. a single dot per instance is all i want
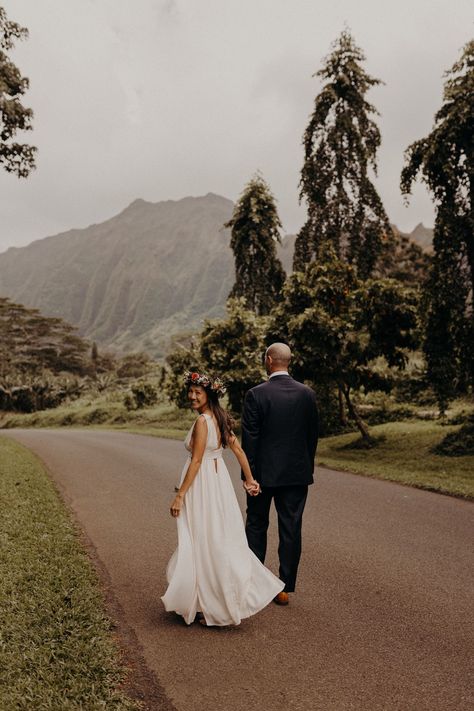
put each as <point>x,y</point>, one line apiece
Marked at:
<point>134,281</point>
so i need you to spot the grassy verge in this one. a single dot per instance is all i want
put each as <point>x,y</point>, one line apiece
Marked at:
<point>403,455</point>
<point>56,646</point>
<point>163,418</point>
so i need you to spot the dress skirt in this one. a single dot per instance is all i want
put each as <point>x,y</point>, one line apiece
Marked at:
<point>213,570</point>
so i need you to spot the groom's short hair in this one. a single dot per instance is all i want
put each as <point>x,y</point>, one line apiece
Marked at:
<point>279,353</point>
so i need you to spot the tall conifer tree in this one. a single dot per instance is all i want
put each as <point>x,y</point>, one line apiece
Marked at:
<point>445,161</point>
<point>255,225</point>
<point>340,146</point>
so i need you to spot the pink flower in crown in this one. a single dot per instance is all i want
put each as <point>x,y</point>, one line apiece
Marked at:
<point>195,378</point>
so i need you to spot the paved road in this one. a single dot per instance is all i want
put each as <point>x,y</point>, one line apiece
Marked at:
<point>382,618</point>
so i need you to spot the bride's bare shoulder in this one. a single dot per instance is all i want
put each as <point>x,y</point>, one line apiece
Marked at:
<point>200,424</point>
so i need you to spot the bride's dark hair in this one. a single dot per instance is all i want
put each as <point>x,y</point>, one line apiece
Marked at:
<point>225,423</point>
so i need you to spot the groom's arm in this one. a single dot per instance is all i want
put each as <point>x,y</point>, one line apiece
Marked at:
<point>250,430</point>
<point>313,427</point>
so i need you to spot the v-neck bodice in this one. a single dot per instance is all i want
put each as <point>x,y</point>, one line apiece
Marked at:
<point>212,449</point>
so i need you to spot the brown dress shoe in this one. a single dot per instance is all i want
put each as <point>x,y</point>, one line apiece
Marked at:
<point>282,598</point>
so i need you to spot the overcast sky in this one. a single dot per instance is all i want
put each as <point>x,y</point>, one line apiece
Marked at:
<point>160,99</point>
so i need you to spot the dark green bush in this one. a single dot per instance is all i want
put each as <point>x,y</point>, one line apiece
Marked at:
<point>134,365</point>
<point>141,395</point>
<point>182,358</point>
<point>458,444</point>
<point>461,418</point>
<point>25,394</point>
<point>96,416</point>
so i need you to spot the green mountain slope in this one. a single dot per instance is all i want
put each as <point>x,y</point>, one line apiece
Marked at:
<point>134,281</point>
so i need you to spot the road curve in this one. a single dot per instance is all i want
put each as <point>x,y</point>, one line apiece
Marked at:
<point>382,616</point>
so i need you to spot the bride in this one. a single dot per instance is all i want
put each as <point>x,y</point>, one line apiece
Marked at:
<point>213,574</point>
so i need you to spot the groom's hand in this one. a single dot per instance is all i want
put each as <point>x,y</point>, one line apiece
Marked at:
<point>252,488</point>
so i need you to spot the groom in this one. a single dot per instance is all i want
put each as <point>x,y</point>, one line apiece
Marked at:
<point>279,437</point>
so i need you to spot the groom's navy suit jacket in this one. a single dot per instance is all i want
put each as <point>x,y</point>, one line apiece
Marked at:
<point>280,432</point>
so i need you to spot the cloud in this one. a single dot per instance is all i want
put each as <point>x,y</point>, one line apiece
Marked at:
<point>170,9</point>
<point>163,98</point>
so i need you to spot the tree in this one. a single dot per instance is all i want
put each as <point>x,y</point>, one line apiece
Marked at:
<point>447,344</point>
<point>38,357</point>
<point>404,260</point>
<point>340,145</point>
<point>31,343</point>
<point>18,158</point>
<point>134,365</point>
<point>182,358</point>
<point>445,162</point>
<point>233,348</point>
<point>338,325</point>
<point>255,225</point>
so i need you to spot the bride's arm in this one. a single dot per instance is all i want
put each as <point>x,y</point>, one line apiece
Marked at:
<point>199,444</point>
<point>251,485</point>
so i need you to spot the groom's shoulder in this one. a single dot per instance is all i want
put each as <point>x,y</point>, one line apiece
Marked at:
<point>271,383</point>
<point>259,388</point>
<point>302,388</point>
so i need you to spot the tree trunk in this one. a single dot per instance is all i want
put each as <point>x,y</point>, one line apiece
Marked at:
<point>470,237</point>
<point>354,413</point>
<point>342,410</point>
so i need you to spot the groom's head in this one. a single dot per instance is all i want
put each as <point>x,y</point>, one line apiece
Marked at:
<point>277,357</point>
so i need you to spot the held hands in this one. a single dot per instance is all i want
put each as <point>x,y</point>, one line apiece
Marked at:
<point>176,505</point>
<point>252,487</point>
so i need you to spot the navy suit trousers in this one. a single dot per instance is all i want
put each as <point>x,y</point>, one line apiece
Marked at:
<point>289,504</point>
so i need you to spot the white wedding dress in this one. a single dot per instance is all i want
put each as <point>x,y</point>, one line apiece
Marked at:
<point>213,570</point>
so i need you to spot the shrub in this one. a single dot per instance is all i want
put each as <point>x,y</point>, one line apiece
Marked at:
<point>96,416</point>
<point>182,358</point>
<point>26,394</point>
<point>134,365</point>
<point>458,444</point>
<point>141,395</point>
<point>461,418</point>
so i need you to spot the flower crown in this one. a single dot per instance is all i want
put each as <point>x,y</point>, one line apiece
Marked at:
<point>194,378</point>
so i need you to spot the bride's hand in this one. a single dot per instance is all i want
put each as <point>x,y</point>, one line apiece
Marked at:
<point>252,487</point>
<point>175,507</point>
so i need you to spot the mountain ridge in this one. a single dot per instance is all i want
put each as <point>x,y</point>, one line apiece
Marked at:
<point>136,279</point>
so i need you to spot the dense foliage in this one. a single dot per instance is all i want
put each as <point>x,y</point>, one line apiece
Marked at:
<point>183,357</point>
<point>445,162</point>
<point>233,347</point>
<point>458,444</point>
<point>31,343</point>
<point>29,393</point>
<point>255,225</point>
<point>142,394</point>
<point>340,146</point>
<point>338,325</point>
<point>404,260</point>
<point>42,359</point>
<point>43,362</point>
<point>17,158</point>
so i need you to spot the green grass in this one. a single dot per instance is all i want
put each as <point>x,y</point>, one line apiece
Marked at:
<point>105,411</point>
<point>403,455</point>
<point>56,646</point>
